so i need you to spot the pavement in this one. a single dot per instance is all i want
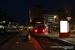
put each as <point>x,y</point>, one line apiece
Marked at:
<point>70,41</point>
<point>6,37</point>
<point>22,42</point>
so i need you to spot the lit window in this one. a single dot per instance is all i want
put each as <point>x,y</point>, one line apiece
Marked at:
<point>68,15</point>
<point>30,20</point>
<point>66,11</point>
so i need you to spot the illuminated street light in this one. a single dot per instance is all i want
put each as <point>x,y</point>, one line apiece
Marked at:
<point>55,18</point>
<point>4,21</point>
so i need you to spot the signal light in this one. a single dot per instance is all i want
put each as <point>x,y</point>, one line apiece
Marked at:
<point>36,30</point>
<point>43,30</point>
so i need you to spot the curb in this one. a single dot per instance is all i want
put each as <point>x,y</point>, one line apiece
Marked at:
<point>60,41</point>
<point>66,43</point>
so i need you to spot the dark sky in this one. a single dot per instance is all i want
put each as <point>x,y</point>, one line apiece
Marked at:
<point>19,9</point>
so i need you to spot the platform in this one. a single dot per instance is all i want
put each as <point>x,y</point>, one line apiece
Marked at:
<point>22,42</point>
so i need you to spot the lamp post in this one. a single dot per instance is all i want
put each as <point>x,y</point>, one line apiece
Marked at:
<point>69,18</point>
<point>55,18</point>
<point>54,22</point>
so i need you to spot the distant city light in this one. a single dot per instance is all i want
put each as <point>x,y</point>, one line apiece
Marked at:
<point>13,22</point>
<point>30,20</point>
<point>55,16</point>
<point>38,22</point>
<point>66,11</point>
<point>4,21</point>
<point>0,22</point>
<point>17,42</point>
<point>9,22</point>
<point>1,26</point>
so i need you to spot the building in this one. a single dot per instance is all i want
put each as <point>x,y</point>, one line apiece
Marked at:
<point>49,17</point>
<point>66,12</point>
<point>6,19</point>
<point>36,12</point>
<point>62,13</point>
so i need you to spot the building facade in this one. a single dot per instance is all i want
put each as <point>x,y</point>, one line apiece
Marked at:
<point>66,12</point>
<point>62,13</point>
<point>49,17</point>
<point>36,12</point>
<point>6,19</point>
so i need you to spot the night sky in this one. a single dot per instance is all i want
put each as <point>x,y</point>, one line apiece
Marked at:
<point>19,9</point>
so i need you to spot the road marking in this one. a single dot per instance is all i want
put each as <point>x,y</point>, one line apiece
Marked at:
<point>19,38</point>
<point>17,42</point>
<point>56,44</point>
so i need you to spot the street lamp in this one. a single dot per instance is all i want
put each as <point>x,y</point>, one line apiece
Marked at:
<point>4,21</point>
<point>54,22</point>
<point>55,18</point>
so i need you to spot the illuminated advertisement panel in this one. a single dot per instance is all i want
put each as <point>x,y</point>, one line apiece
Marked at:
<point>64,26</point>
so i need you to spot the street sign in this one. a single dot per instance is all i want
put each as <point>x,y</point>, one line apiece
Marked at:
<point>69,18</point>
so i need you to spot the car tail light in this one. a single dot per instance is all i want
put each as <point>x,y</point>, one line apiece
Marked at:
<point>35,30</point>
<point>43,30</point>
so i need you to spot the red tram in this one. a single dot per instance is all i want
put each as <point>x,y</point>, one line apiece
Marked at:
<point>38,27</point>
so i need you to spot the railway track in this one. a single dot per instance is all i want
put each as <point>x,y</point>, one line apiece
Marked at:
<point>50,44</point>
